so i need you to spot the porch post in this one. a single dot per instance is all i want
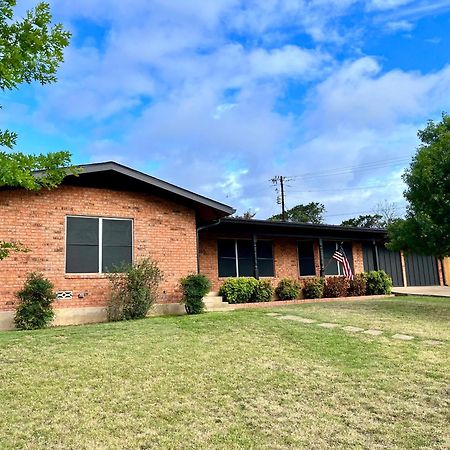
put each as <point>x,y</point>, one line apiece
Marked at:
<point>376,259</point>
<point>255,256</point>
<point>322,269</point>
<point>444,277</point>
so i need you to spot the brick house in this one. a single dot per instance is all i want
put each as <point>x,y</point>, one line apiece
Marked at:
<point>111,214</point>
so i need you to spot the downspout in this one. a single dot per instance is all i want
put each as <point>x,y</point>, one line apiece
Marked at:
<point>204,227</point>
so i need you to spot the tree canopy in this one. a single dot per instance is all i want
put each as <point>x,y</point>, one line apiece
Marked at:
<point>31,50</point>
<point>366,221</point>
<point>426,228</point>
<point>310,213</point>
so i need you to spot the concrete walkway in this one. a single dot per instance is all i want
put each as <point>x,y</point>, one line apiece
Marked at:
<point>423,291</point>
<point>350,328</point>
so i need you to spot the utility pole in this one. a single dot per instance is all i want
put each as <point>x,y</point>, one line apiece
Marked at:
<point>280,199</point>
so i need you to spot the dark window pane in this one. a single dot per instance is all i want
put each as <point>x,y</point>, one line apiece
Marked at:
<point>265,267</point>
<point>306,258</point>
<point>246,267</point>
<point>331,268</point>
<point>306,249</point>
<point>347,246</point>
<point>82,245</point>
<point>227,267</point>
<point>245,249</point>
<point>264,249</point>
<point>82,231</point>
<point>307,267</point>
<point>117,232</point>
<point>116,244</point>
<point>82,259</point>
<point>226,248</point>
<point>115,258</point>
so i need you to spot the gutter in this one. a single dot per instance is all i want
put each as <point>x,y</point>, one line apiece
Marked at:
<point>204,227</point>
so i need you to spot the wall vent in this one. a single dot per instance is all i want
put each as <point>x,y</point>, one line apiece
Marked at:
<point>64,295</point>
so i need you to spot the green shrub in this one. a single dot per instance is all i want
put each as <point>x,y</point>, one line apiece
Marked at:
<point>288,289</point>
<point>378,283</point>
<point>194,288</point>
<point>35,308</point>
<point>134,289</point>
<point>336,287</point>
<point>358,285</point>
<point>238,290</point>
<point>263,291</point>
<point>313,287</point>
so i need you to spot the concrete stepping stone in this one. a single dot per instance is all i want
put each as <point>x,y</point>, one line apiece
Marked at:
<point>353,329</point>
<point>432,342</point>
<point>273,314</point>
<point>373,332</point>
<point>403,337</point>
<point>297,319</point>
<point>328,325</point>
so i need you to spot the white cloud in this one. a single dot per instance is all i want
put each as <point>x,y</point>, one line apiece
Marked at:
<point>399,25</point>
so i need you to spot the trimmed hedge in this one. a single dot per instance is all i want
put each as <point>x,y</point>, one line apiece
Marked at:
<point>336,287</point>
<point>263,291</point>
<point>288,289</point>
<point>194,288</point>
<point>313,287</point>
<point>246,290</point>
<point>358,285</point>
<point>378,283</point>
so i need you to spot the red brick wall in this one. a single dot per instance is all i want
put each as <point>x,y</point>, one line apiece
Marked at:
<point>285,258</point>
<point>163,231</point>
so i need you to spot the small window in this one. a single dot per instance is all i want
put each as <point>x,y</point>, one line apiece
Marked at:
<point>97,245</point>
<point>332,267</point>
<point>226,249</point>
<point>236,258</point>
<point>265,259</point>
<point>306,258</point>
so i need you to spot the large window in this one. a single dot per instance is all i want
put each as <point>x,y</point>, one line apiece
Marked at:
<point>306,258</point>
<point>333,267</point>
<point>97,245</point>
<point>236,258</point>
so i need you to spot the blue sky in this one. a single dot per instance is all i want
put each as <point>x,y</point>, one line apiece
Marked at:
<point>220,96</point>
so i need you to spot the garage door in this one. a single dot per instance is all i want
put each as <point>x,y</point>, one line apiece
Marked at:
<point>389,261</point>
<point>421,270</point>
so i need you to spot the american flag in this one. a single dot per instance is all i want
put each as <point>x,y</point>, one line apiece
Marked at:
<point>339,255</point>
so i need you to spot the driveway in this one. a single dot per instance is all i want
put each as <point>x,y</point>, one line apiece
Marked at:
<point>429,291</point>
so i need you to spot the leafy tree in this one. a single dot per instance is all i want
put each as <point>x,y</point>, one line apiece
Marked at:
<point>249,214</point>
<point>426,228</point>
<point>31,50</point>
<point>310,213</point>
<point>365,221</point>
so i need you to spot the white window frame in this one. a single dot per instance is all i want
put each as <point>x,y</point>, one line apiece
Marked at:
<point>100,242</point>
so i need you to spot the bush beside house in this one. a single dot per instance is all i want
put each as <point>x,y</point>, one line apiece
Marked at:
<point>134,289</point>
<point>194,288</point>
<point>288,289</point>
<point>35,308</point>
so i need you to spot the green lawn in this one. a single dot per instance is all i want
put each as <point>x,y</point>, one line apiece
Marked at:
<point>233,380</point>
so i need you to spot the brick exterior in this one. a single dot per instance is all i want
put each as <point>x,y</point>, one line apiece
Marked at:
<point>285,255</point>
<point>163,230</point>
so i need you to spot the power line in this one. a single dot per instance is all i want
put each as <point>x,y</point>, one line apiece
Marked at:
<point>381,186</point>
<point>348,169</point>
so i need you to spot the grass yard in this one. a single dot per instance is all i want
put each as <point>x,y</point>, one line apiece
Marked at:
<point>233,380</point>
